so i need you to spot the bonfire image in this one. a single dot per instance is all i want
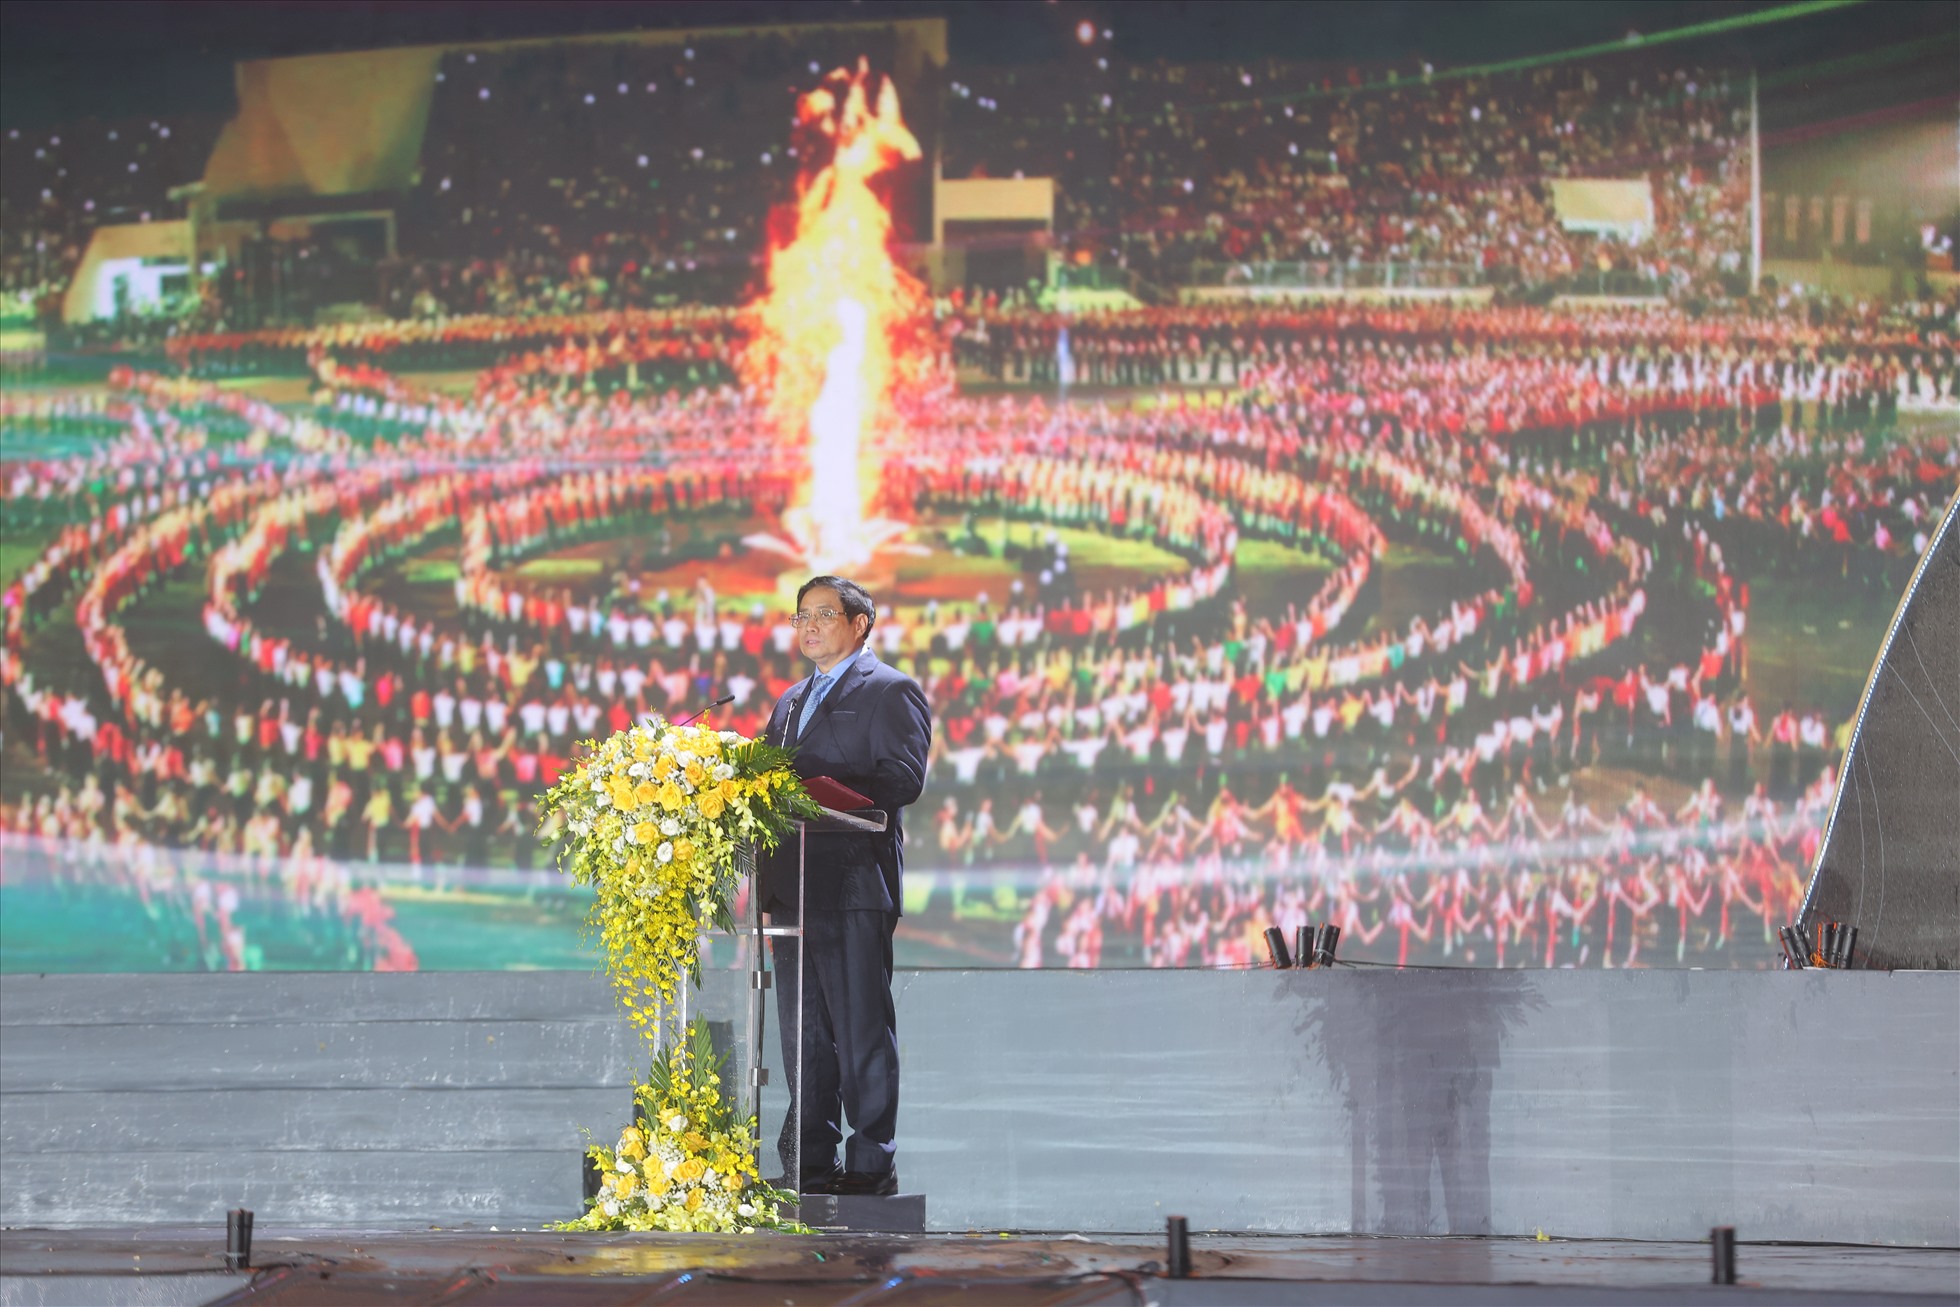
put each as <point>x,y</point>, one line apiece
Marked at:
<point>832,331</point>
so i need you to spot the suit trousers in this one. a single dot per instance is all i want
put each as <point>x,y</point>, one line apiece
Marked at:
<point>850,1039</point>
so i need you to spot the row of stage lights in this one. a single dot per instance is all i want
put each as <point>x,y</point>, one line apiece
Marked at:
<point>1313,946</point>
<point>1833,949</point>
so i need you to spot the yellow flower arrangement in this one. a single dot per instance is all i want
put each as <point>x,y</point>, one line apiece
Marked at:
<point>688,1164</point>
<point>652,819</point>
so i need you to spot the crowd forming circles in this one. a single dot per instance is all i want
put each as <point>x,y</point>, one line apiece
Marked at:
<point>1148,764</point>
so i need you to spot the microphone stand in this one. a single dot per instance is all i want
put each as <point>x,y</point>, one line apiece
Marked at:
<point>725,699</point>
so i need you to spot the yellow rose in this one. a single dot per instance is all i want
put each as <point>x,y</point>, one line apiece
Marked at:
<point>621,790</point>
<point>695,774</point>
<point>642,748</point>
<point>730,790</point>
<point>644,793</point>
<point>671,797</point>
<point>684,850</point>
<point>647,833</point>
<point>627,1183</point>
<point>632,1143</point>
<point>710,803</point>
<point>690,1170</point>
<point>693,1199</point>
<point>663,766</point>
<point>733,1182</point>
<point>694,1142</point>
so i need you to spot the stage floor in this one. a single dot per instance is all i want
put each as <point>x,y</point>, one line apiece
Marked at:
<point>167,1266</point>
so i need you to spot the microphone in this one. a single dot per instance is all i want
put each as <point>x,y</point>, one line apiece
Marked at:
<point>726,698</point>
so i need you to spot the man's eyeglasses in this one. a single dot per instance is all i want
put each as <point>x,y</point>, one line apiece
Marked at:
<point>823,617</point>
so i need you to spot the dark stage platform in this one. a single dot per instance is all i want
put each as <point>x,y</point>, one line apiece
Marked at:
<point>172,1266</point>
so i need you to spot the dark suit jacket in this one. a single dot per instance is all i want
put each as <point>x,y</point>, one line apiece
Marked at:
<point>871,732</point>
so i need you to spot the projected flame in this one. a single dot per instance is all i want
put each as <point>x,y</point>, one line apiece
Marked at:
<point>837,329</point>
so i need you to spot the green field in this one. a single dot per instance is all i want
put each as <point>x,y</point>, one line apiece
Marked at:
<point>1813,641</point>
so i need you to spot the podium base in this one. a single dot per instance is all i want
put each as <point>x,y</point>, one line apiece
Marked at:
<point>888,1214</point>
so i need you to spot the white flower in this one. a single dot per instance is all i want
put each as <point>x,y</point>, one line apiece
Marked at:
<point>724,771</point>
<point>669,827</point>
<point>623,1164</point>
<point>745,1209</point>
<point>598,784</point>
<point>665,852</point>
<point>730,737</point>
<point>609,1207</point>
<point>677,1123</point>
<point>604,798</point>
<point>637,769</point>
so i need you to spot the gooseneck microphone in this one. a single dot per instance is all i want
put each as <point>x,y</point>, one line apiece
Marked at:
<point>726,698</point>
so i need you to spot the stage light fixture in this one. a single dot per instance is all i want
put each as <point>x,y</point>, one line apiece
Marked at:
<point>1276,948</point>
<point>1721,1242</point>
<point>1177,1254</point>
<point>1303,946</point>
<point>1330,940</point>
<point>238,1239</point>
<point>1793,954</point>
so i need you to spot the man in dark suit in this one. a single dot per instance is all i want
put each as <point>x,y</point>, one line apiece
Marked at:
<point>867,726</point>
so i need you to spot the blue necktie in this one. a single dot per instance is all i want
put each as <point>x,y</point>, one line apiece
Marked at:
<point>819,687</point>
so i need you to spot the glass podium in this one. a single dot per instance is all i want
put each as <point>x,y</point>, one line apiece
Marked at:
<point>761,1077</point>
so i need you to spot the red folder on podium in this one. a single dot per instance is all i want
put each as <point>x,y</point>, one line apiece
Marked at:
<point>834,794</point>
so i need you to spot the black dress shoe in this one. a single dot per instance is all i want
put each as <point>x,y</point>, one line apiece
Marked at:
<point>874,1184</point>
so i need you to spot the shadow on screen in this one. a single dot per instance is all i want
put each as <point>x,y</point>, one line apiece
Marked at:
<point>1412,1055</point>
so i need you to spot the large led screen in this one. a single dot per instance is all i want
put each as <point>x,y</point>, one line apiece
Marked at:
<point>1495,627</point>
